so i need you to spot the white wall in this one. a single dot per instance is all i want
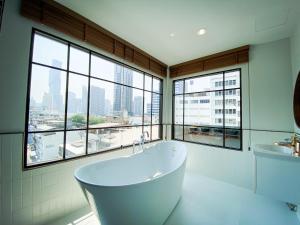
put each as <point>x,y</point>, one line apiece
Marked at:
<point>295,58</point>
<point>268,75</point>
<point>270,82</point>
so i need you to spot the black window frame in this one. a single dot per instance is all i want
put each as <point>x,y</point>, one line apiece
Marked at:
<point>224,90</point>
<point>89,76</point>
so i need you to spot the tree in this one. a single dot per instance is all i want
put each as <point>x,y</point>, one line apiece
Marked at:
<point>96,120</point>
<point>78,119</point>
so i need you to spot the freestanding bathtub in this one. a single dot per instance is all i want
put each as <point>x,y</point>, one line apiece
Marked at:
<point>141,189</point>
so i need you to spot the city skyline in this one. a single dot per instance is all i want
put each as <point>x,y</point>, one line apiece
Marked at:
<point>122,101</point>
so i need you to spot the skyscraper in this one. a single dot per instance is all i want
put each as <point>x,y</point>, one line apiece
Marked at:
<point>122,95</point>
<point>72,103</point>
<point>84,92</point>
<point>108,107</point>
<point>56,99</point>
<point>138,106</point>
<point>155,104</point>
<point>97,98</point>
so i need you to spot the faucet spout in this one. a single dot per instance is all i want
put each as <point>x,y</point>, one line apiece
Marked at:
<point>293,143</point>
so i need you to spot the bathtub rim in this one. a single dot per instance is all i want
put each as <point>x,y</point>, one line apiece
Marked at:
<point>183,163</point>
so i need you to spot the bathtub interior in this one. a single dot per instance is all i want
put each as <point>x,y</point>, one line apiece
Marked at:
<point>154,162</point>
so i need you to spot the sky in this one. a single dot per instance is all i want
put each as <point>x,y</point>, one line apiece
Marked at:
<point>46,50</point>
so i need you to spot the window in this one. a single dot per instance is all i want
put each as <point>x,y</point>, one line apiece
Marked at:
<point>81,103</point>
<point>214,120</point>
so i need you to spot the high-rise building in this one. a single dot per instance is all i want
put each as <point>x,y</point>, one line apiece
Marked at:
<point>138,105</point>
<point>56,102</point>
<point>155,104</point>
<point>179,87</point>
<point>206,108</point>
<point>97,98</point>
<point>108,107</point>
<point>72,103</point>
<point>84,93</point>
<point>122,94</point>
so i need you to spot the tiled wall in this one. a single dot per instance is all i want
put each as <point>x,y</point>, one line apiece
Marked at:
<point>41,195</point>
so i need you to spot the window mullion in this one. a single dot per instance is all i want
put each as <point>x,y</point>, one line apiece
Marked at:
<point>143,121</point>
<point>66,103</point>
<point>183,109</point>
<point>151,108</point>
<point>88,106</point>
<point>223,109</point>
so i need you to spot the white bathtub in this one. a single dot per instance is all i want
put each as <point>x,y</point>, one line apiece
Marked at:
<point>141,189</point>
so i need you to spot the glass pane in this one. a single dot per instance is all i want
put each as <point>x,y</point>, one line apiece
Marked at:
<point>147,107</point>
<point>44,147</point>
<point>156,85</point>
<point>131,78</point>
<point>233,138</point>
<point>47,99</point>
<point>178,132</point>
<point>232,108</point>
<point>178,109</point>
<point>136,116</point>
<point>148,83</point>
<point>79,61</point>
<point>156,100</point>
<point>205,83</point>
<point>203,108</point>
<point>105,69</point>
<point>103,139</point>
<point>156,132</point>
<point>204,135</point>
<point>178,87</point>
<point>130,134</point>
<point>122,105</point>
<point>114,105</point>
<point>232,79</point>
<point>147,131</point>
<point>99,91</point>
<point>125,100</point>
<point>75,143</point>
<point>50,52</point>
<point>77,101</point>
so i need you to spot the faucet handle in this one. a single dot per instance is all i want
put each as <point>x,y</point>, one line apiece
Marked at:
<point>135,142</point>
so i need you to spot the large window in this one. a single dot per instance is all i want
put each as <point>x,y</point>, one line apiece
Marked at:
<point>82,103</point>
<point>207,109</point>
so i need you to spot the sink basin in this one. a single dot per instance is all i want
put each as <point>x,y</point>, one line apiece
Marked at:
<point>276,149</point>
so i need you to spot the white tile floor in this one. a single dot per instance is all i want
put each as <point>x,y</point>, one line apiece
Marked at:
<point>210,202</point>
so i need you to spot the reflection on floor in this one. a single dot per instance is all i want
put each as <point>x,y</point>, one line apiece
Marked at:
<point>209,202</point>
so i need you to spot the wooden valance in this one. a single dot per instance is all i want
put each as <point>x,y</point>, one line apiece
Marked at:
<point>69,22</point>
<point>218,60</point>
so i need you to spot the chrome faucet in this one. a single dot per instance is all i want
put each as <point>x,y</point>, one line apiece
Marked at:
<point>133,146</point>
<point>140,142</point>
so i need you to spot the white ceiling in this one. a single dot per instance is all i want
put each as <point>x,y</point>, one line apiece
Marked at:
<point>230,23</point>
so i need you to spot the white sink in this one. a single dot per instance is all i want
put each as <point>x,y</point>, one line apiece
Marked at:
<point>277,173</point>
<point>274,149</point>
